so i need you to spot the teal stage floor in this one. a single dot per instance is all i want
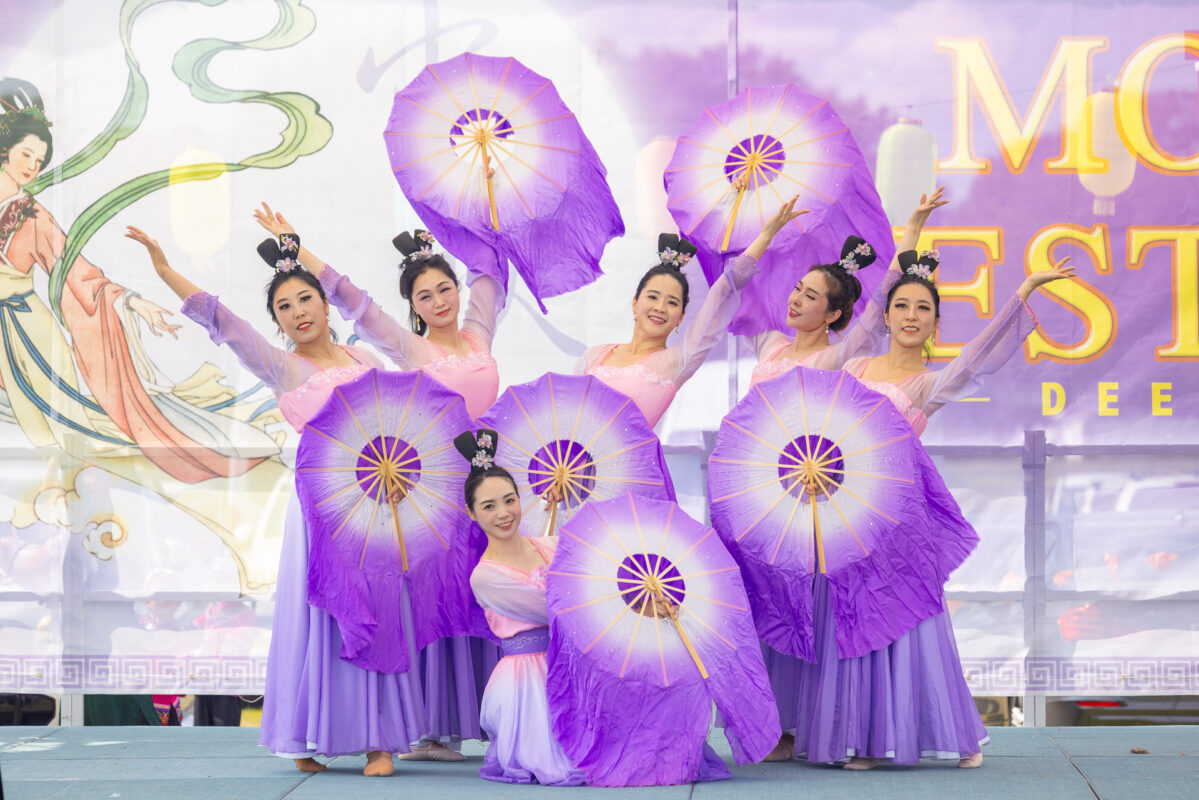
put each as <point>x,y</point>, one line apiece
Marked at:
<point>218,763</point>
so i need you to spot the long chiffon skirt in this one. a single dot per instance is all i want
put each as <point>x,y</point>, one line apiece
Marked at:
<point>454,672</point>
<point>516,716</point>
<point>314,702</point>
<point>903,702</point>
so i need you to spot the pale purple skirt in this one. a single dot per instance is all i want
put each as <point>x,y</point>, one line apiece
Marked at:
<point>903,702</point>
<point>314,702</point>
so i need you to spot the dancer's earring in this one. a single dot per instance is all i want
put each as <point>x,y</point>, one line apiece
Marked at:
<point>419,321</point>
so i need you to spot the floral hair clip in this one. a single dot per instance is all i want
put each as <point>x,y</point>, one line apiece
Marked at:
<point>416,246</point>
<point>856,253</point>
<point>289,242</point>
<point>276,258</point>
<point>675,251</point>
<point>922,266</point>
<point>478,448</point>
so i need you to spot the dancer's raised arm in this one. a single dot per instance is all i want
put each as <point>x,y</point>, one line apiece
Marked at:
<point>176,282</point>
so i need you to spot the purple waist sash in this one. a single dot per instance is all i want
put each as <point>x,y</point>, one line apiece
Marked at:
<point>536,640</point>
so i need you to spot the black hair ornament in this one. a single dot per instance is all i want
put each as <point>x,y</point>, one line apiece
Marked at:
<point>478,448</point>
<point>922,266</point>
<point>279,259</point>
<point>415,246</point>
<point>675,251</point>
<point>856,253</point>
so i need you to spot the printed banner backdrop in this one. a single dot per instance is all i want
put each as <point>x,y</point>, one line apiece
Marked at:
<point>1058,128</point>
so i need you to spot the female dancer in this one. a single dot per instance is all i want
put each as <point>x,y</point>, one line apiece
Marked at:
<point>509,583</point>
<point>315,703</point>
<point>455,670</point>
<point>646,368</point>
<point>909,699</point>
<point>822,301</point>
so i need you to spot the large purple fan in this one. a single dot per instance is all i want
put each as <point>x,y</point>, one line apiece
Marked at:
<point>387,429</point>
<point>575,433</point>
<point>783,142</point>
<point>630,691</point>
<point>815,473</point>
<point>547,208</point>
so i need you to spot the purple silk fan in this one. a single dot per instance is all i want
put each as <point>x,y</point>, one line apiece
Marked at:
<point>884,529</point>
<point>547,208</point>
<point>630,693</point>
<point>386,428</point>
<point>784,143</point>
<point>577,432</point>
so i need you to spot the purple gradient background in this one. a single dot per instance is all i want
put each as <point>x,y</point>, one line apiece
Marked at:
<point>877,61</point>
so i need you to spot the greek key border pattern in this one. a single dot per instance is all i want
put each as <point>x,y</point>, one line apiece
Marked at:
<point>116,674</point>
<point>1133,675</point>
<point>246,675</point>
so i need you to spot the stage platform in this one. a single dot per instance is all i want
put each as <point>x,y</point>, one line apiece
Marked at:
<point>219,763</point>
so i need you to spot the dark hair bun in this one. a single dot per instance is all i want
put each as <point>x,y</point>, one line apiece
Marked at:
<point>923,265</point>
<point>416,246</point>
<point>674,250</point>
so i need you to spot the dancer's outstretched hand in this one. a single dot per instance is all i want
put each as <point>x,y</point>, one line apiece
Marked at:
<point>1059,271</point>
<point>785,214</point>
<point>273,221</point>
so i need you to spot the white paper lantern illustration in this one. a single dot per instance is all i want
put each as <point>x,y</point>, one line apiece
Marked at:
<point>906,168</point>
<point>1122,166</point>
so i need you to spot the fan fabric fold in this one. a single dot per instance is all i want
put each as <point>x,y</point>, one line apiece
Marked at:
<point>546,208</point>
<point>813,472</point>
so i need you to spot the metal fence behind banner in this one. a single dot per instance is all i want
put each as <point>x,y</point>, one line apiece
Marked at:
<point>1084,580</point>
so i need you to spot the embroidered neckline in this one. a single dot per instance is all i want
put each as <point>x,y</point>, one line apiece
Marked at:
<point>604,372</point>
<point>476,360</point>
<point>336,375</point>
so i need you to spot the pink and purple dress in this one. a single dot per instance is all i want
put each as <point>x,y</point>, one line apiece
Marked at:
<point>654,380</point>
<point>515,712</point>
<point>908,700</point>
<point>314,703</point>
<point>454,671</point>
<point>860,338</point>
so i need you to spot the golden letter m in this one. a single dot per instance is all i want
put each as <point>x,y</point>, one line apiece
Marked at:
<point>976,80</point>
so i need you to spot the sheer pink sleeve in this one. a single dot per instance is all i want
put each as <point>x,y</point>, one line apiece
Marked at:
<point>276,367</point>
<point>484,305</point>
<point>766,343</point>
<point>713,317</point>
<point>374,325</point>
<point>982,355</point>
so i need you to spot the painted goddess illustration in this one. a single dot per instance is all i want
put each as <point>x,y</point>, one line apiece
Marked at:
<point>87,386</point>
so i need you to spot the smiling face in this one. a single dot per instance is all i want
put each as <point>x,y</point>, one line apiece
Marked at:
<point>435,298</point>
<point>24,160</point>
<point>807,306</point>
<point>658,310</point>
<point>300,311</point>
<point>911,315</point>
<point>496,508</point>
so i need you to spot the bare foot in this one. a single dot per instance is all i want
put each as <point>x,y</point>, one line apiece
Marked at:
<point>784,750</point>
<point>378,764</point>
<point>858,763</point>
<point>434,751</point>
<point>309,765</point>
<point>972,761</point>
